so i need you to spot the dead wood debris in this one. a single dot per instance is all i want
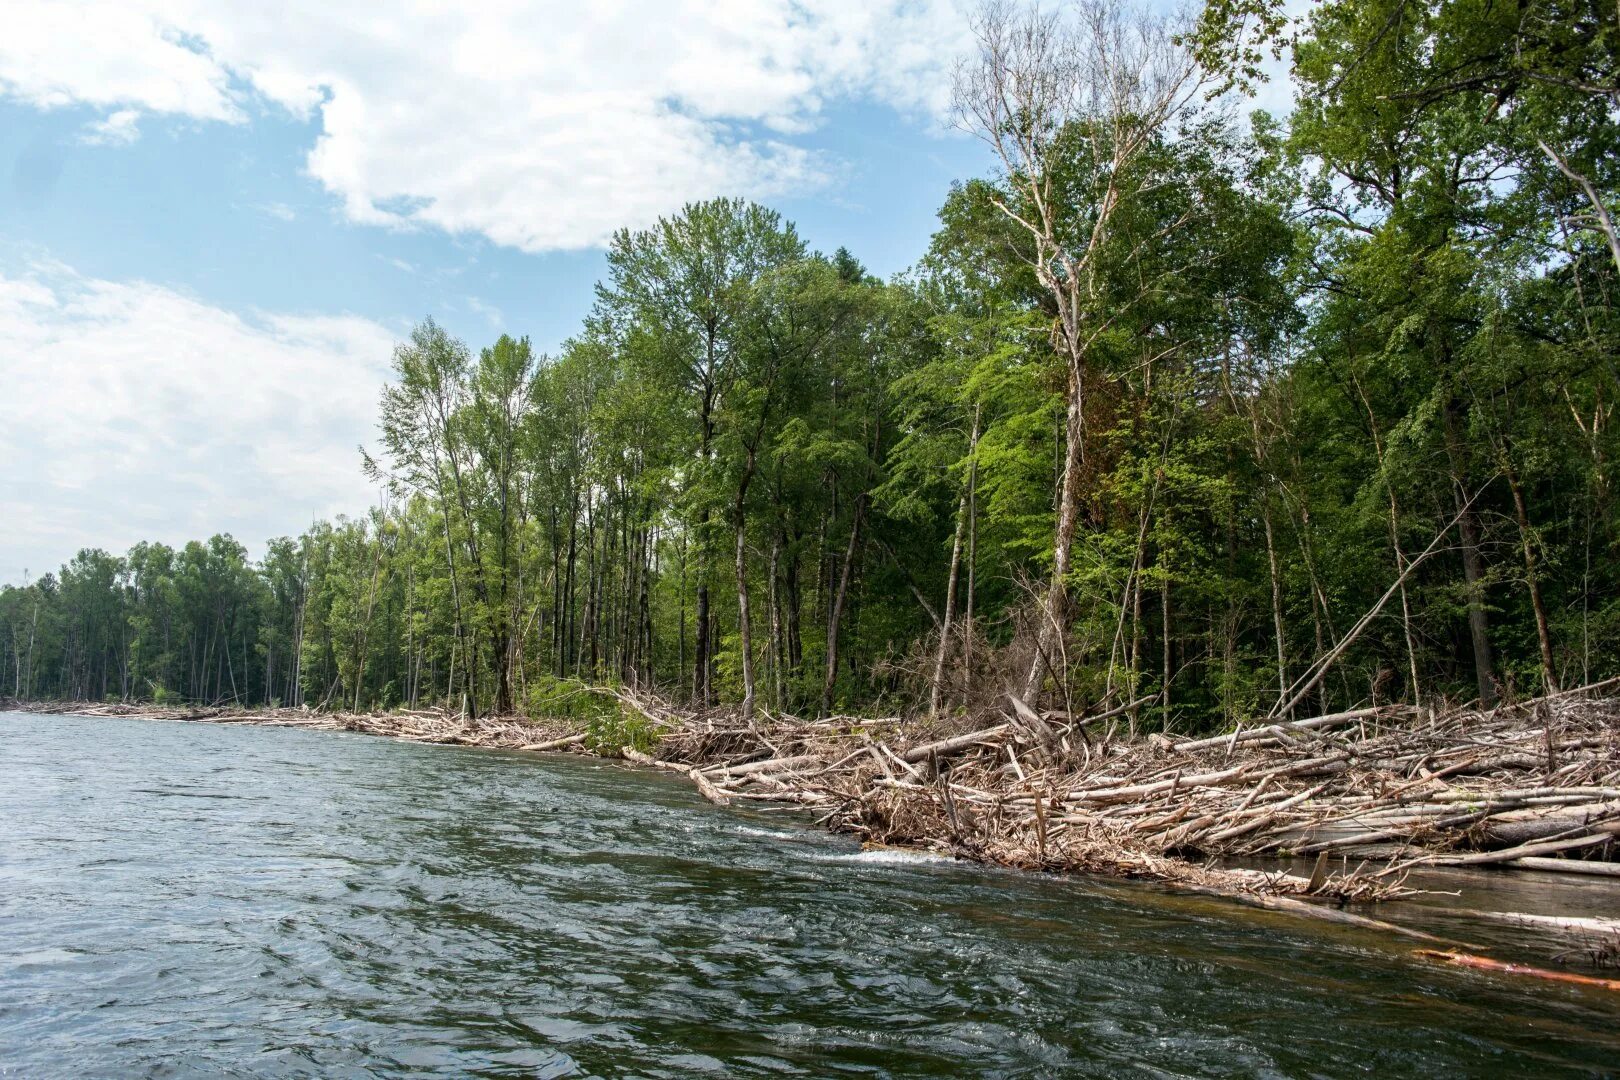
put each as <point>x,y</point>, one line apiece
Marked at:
<point>1370,792</point>
<point>412,725</point>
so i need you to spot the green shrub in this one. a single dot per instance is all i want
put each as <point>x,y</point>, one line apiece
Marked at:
<point>610,732</point>
<point>565,699</point>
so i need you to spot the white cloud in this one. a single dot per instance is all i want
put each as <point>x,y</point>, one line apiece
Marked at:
<point>540,126</point>
<point>137,412</point>
<point>118,129</point>
<point>55,53</point>
<point>280,211</point>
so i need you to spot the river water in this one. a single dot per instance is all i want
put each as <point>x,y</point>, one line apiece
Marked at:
<point>184,899</point>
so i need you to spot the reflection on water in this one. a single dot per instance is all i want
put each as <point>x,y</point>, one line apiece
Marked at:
<point>180,899</point>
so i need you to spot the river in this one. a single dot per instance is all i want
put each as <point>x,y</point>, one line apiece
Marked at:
<point>186,899</point>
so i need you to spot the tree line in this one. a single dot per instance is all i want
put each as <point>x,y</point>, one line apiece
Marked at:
<point>1210,417</point>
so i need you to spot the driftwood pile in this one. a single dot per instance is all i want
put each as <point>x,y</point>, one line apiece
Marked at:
<point>162,712</point>
<point>412,725</point>
<point>1532,785</point>
<point>438,726</point>
<point>1370,792</point>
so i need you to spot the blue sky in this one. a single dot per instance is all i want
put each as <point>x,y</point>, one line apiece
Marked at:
<point>215,223</point>
<point>228,214</point>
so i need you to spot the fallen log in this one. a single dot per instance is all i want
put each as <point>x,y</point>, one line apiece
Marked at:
<point>1603,834</point>
<point>953,744</point>
<point>556,744</point>
<point>1485,963</point>
<point>1565,866</point>
<point>704,785</point>
<point>1279,731</point>
<point>771,764</point>
<point>1571,924</point>
<point>1319,912</point>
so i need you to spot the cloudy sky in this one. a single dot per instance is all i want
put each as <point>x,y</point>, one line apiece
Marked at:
<point>216,219</point>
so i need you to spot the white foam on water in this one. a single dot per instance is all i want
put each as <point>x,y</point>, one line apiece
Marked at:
<point>886,857</point>
<point>767,834</point>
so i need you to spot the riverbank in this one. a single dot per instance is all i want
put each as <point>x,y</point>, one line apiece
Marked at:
<point>205,899</point>
<point>1358,798</point>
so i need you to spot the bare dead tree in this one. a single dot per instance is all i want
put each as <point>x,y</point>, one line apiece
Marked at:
<point>1600,219</point>
<point>1117,74</point>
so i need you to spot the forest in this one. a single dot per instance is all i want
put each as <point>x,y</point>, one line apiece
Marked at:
<point>1187,409</point>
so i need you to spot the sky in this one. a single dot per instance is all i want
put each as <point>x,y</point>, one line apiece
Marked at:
<point>217,219</point>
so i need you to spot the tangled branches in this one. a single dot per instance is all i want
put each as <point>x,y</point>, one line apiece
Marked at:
<point>1392,787</point>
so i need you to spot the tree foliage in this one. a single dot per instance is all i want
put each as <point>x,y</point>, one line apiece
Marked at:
<point>1167,407</point>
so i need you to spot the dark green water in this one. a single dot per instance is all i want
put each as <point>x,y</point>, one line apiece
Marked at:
<point>187,900</point>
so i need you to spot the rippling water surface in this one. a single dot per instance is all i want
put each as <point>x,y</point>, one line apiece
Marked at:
<point>181,899</point>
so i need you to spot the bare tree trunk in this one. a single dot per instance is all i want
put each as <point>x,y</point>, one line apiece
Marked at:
<point>1054,610</point>
<point>795,608</point>
<point>745,636</point>
<point>835,610</point>
<point>570,613</point>
<point>972,568</point>
<point>701,689</point>
<point>777,653</point>
<point>556,594</point>
<point>936,691</point>
<point>1164,614</point>
<point>593,587</point>
<point>1136,654</point>
<point>295,687</point>
<point>1532,579</point>
<point>1395,545</point>
<point>840,593</point>
<point>680,641</point>
<point>1473,565</point>
<point>649,556</point>
<point>1126,76</point>
<point>1600,209</point>
<point>702,645</point>
<point>1317,671</point>
<point>1276,597</point>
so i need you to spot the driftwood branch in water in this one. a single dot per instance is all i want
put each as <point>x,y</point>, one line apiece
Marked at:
<point>1485,963</point>
<point>704,785</point>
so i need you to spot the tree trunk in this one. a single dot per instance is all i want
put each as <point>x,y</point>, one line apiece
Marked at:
<point>1164,612</point>
<point>680,641</point>
<point>1473,564</point>
<point>1054,611</point>
<point>777,653</point>
<point>972,567</point>
<point>936,690</point>
<point>702,645</point>
<point>745,635</point>
<point>1532,580</point>
<point>1276,597</point>
<point>795,609</point>
<point>835,609</point>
